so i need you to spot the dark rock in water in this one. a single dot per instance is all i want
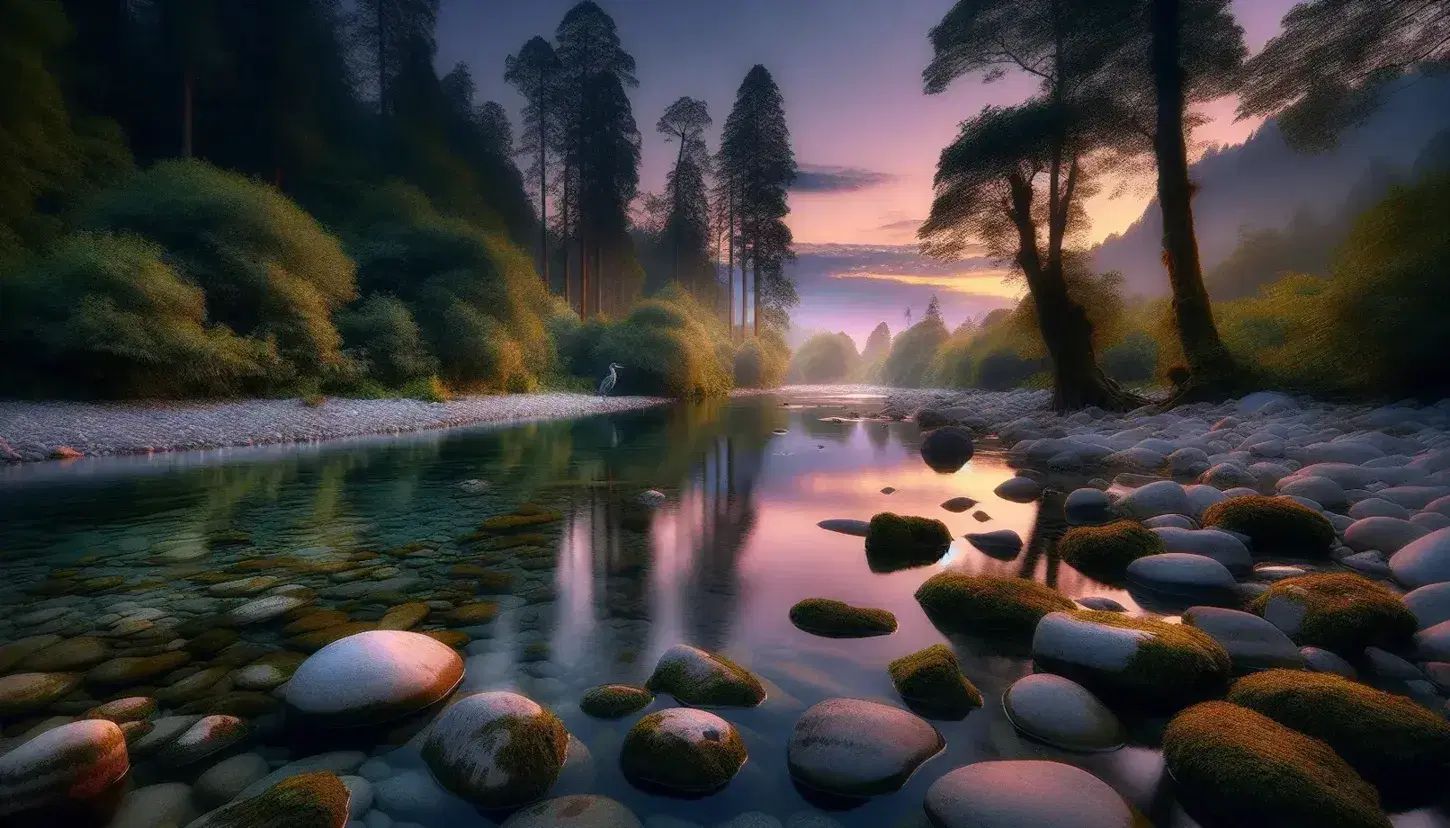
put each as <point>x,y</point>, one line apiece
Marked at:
<point>779,431</point>
<point>1062,713</point>
<point>1020,793</point>
<point>929,418</point>
<point>613,701</point>
<point>855,748</point>
<point>1101,603</point>
<point>902,541</point>
<point>932,684</point>
<point>578,811</point>
<point>846,526</point>
<point>498,750</point>
<point>889,490</point>
<point>694,676</point>
<point>959,504</point>
<point>1003,543</point>
<point>981,516</point>
<point>1019,489</point>
<point>947,449</point>
<point>830,618</point>
<point>682,751</point>
<point>309,800</point>
<point>72,762</point>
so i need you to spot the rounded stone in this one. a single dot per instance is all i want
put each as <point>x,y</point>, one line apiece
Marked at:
<point>155,806</point>
<point>1252,643</point>
<point>696,677</point>
<point>120,711</point>
<point>120,672</point>
<point>856,748</point>
<point>266,609</point>
<point>66,656</point>
<point>373,677</point>
<point>1378,507</point>
<point>1162,497</point>
<point>846,526</point>
<point>1321,490</point>
<point>1210,543</point>
<point>1062,713</point>
<point>1423,561</point>
<point>1018,489</point>
<point>1024,794</point>
<point>26,692</point>
<point>72,762</point>
<point>1384,534</point>
<point>1087,505</point>
<point>682,751</point>
<point>580,811</point>
<point>1430,604</point>
<point>1318,660</point>
<point>999,543</point>
<point>207,738</point>
<point>947,449</point>
<point>1177,571</point>
<point>497,750</point>
<point>226,780</point>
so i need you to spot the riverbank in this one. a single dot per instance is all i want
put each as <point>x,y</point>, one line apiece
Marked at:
<point>37,431</point>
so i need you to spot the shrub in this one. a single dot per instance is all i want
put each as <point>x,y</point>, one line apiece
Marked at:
<point>669,345</point>
<point>762,362</point>
<point>1134,359</point>
<point>427,389</point>
<point>1394,743</point>
<point>1339,611</point>
<point>268,270</point>
<point>1004,370</point>
<point>1235,766</point>
<point>1277,526</point>
<point>826,358</point>
<point>909,363</point>
<point>380,333</point>
<point>931,682</point>
<point>106,315</point>
<point>1109,548</point>
<point>957,602</point>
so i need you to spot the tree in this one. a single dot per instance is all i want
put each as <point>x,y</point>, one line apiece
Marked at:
<point>989,179</point>
<point>756,157</point>
<point>534,71</point>
<point>1330,67</point>
<point>386,31</point>
<point>597,126</point>
<point>878,344</point>
<point>688,225</point>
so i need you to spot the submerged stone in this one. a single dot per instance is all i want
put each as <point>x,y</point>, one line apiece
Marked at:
<point>901,541</point>
<point>72,762</point>
<point>836,619</point>
<point>931,682</point>
<point>497,750</point>
<point>1062,713</point>
<point>309,800</point>
<point>612,701</point>
<point>1025,793</point>
<point>682,751</point>
<point>373,677</point>
<point>855,748</point>
<point>696,677</point>
<point>986,604</point>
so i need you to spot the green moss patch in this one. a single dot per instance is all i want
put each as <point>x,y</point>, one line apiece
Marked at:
<point>837,619</point>
<point>1341,612</point>
<point>696,677</point>
<point>656,758</point>
<point>901,541</point>
<point>932,684</point>
<point>1235,766</point>
<point>519,520</point>
<point>612,701</point>
<point>1398,746</point>
<point>309,800</point>
<point>1109,548</point>
<point>987,604</point>
<point>1276,526</point>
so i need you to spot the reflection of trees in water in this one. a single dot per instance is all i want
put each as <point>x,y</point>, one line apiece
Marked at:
<point>879,434</point>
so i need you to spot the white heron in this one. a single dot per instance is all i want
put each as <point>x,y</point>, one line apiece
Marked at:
<point>608,384</point>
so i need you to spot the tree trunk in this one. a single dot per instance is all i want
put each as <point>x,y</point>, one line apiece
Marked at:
<point>382,61</point>
<point>186,117</point>
<point>543,190</point>
<point>1211,366</point>
<point>675,207</point>
<point>1077,380</point>
<point>755,300</point>
<point>583,273</point>
<point>730,268</point>
<point>564,237</point>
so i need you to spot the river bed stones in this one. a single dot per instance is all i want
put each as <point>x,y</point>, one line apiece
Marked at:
<point>1382,534</point>
<point>1025,794</point>
<point>72,762</point>
<point>373,677</point>
<point>268,672</point>
<point>830,618</point>
<point>70,655</point>
<point>1108,549</point>
<point>1338,611</point>
<point>854,748</point>
<point>130,670</point>
<point>1178,575</point>
<point>1251,642</point>
<point>497,750</point>
<point>210,737</point>
<point>120,711</point>
<point>987,604</point>
<point>1018,489</point>
<point>902,541</point>
<point>309,800</point>
<point>1003,544</point>
<point>578,811</point>
<point>1163,497</point>
<point>1274,525</point>
<point>699,678</point>
<point>682,752</point>
<point>846,526</point>
<point>1423,561</point>
<point>947,449</point>
<point>931,683</point>
<point>262,610</point>
<point>1223,547</point>
<point>404,616</point>
<point>225,781</point>
<point>1062,713</point>
<point>22,693</point>
<point>613,701</point>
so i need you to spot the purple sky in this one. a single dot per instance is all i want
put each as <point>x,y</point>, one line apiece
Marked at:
<point>864,133</point>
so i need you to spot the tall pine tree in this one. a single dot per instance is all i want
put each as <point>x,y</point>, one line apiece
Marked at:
<point>535,72</point>
<point>687,227</point>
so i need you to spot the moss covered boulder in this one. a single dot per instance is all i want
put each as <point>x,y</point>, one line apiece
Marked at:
<point>22,693</point>
<point>836,619</point>
<point>63,765</point>
<point>308,800</point>
<point>694,676</point>
<point>1128,661</point>
<point>1275,526</point>
<point>682,751</point>
<point>902,541</point>
<point>1337,611</point>
<point>1398,746</point>
<point>1109,549</point>
<point>497,750</point>
<point>987,604</point>
<point>578,811</point>
<point>611,701</point>
<point>1234,766</point>
<point>932,684</point>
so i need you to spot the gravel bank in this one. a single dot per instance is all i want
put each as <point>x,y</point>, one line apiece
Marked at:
<point>40,431</point>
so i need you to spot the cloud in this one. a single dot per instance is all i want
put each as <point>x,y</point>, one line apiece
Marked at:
<point>904,224</point>
<point>989,282</point>
<point>817,178</point>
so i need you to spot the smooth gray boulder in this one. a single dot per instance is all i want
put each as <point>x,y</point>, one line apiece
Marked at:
<point>1252,643</point>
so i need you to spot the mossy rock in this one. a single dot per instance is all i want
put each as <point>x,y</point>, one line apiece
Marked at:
<point>613,701</point>
<point>1132,662</point>
<point>311,642</point>
<point>1337,611</point>
<point>1395,744</point>
<point>836,619</point>
<point>498,750</point>
<point>902,541</point>
<point>513,541</point>
<point>494,583</point>
<point>22,693</point>
<point>518,522</point>
<point>932,684</point>
<point>1236,767</point>
<point>696,677</point>
<point>987,604</point>
<point>1275,525</point>
<point>1110,548</point>
<point>308,800</point>
<point>682,751</point>
<point>480,612</point>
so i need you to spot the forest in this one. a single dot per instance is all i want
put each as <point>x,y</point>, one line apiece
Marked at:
<point>1345,303</point>
<point>216,198</point>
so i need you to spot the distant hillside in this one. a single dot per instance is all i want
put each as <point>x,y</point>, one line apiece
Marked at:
<point>1263,184</point>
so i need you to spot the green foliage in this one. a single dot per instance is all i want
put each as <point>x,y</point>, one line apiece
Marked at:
<point>837,619</point>
<point>107,315</point>
<point>268,270</point>
<point>912,352</point>
<point>986,604</point>
<point>762,361</point>
<point>1134,359</point>
<point>669,345</point>
<point>1275,525</point>
<point>1342,612</point>
<point>1110,548</point>
<point>1171,664</point>
<point>1393,742</point>
<point>826,358</point>
<point>614,701</point>
<point>381,334</point>
<point>931,682</point>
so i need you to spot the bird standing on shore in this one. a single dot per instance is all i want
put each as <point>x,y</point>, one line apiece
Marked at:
<point>608,384</point>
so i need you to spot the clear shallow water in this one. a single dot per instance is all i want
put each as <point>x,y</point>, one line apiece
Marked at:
<point>719,567</point>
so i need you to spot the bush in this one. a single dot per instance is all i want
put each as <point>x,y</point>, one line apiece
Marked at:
<point>1005,370</point>
<point>1135,359</point>
<point>826,358</point>
<point>1110,548</point>
<point>1394,743</point>
<point>268,270</point>
<point>1234,766</point>
<point>668,345</point>
<point>1276,526</point>
<point>909,363</point>
<point>106,315</point>
<point>1339,611</point>
<point>380,333</point>
<point>957,602</point>
<point>762,362</point>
